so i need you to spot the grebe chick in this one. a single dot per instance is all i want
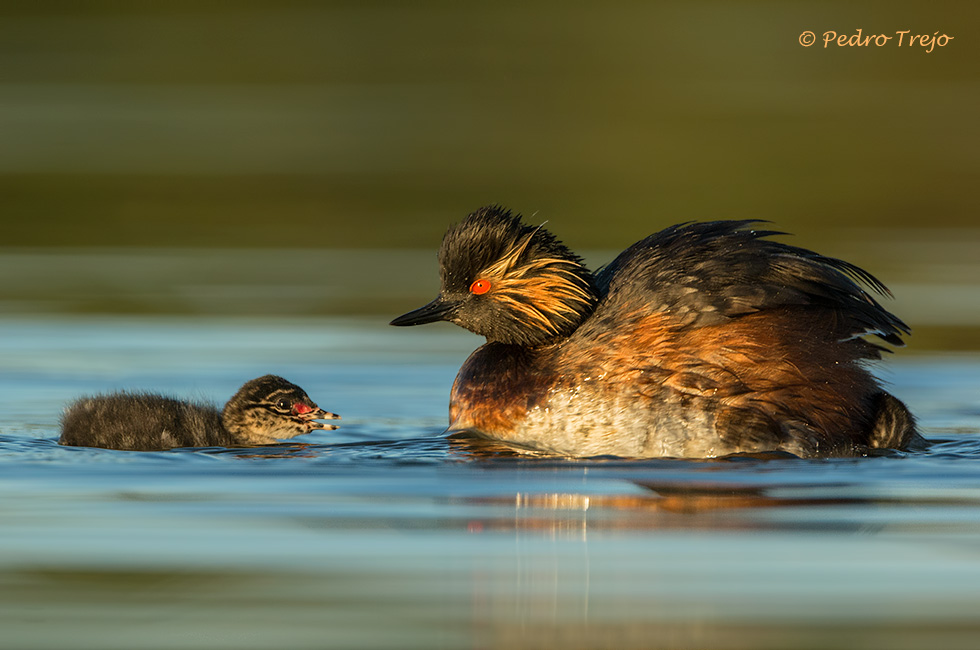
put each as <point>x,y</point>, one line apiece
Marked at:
<point>703,340</point>
<point>263,411</point>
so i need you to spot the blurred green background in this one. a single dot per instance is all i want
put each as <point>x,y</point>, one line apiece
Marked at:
<point>298,158</point>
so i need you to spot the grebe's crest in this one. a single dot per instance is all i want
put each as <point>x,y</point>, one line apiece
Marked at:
<point>509,282</point>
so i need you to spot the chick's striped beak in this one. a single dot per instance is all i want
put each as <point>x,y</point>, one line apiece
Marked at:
<point>311,413</point>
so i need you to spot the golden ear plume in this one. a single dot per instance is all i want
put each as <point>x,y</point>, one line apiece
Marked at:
<point>544,291</point>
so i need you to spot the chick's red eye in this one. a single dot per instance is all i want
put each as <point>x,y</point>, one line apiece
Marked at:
<point>480,286</point>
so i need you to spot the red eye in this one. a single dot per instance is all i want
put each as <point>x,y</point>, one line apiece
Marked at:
<point>480,287</point>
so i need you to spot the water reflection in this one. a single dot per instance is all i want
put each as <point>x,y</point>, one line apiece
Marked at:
<point>452,542</point>
<point>705,507</point>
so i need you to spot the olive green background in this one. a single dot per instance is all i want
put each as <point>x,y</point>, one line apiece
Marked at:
<point>135,128</point>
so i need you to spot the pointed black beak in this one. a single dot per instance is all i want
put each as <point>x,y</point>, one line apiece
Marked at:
<point>438,309</point>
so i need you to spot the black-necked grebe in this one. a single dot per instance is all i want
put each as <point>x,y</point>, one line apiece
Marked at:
<point>703,340</point>
<point>263,411</point>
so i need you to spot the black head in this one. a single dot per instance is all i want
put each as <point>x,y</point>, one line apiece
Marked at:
<point>270,408</point>
<point>507,281</point>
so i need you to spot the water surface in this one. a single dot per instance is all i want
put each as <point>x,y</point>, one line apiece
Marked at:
<point>385,533</point>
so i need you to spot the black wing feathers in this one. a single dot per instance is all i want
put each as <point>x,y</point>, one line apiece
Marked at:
<point>706,273</point>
